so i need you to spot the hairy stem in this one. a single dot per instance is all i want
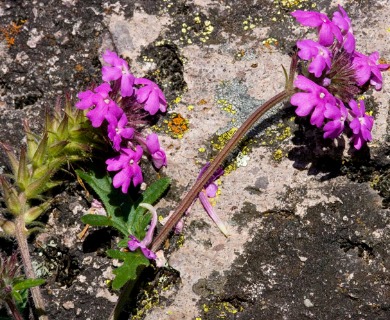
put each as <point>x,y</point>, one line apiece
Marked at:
<point>21,237</point>
<point>199,184</point>
<point>13,310</point>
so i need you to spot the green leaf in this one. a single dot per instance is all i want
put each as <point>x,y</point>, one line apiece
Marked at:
<point>117,204</point>
<point>23,172</point>
<point>17,296</point>
<point>40,185</point>
<point>122,243</point>
<point>138,220</point>
<point>133,263</point>
<point>33,213</point>
<point>11,198</point>
<point>28,283</point>
<point>125,213</point>
<point>40,154</point>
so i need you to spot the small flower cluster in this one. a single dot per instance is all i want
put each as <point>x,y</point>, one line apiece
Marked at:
<point>124,102</point>
<point>333,73</point>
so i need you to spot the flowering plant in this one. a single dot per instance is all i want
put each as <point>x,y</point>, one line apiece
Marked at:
<point>333,72</point>
<point>123,103</point>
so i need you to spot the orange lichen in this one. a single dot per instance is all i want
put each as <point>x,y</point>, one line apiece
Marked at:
<point>9,32</point>
<point>79,67</point>
<point>177,125</point>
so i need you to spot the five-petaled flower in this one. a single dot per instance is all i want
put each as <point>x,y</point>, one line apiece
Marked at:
<point>119,70</point>
<point>127,165</point>
<point>151,96</point>
<point>315,97</point>
<point>117,130</point>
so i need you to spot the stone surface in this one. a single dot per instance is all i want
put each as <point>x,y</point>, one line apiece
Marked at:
<point>308,221</point>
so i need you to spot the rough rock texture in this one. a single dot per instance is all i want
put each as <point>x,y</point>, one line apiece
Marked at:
<point>308,221</point>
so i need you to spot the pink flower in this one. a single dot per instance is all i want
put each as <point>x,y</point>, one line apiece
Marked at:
<point>341,20</point>
<point>361,124</point>
<point>101,103</point>
<point>151,96</point>
<point>316,98</point>
<point>337,115</point>
<point>319,55</point>
<point>117,130</point>
<point>326,28</point>
<point>157,153</point>
<point>367,69</point>
<point>127,165</point>
<point>119,69</point>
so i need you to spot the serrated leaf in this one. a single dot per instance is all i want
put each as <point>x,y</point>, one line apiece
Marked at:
<point>138,220</point>
<point>27,284</point>
<point>96,220</point>
<point>133,263</point>
<point>101,221</point>
<point>117,204</point>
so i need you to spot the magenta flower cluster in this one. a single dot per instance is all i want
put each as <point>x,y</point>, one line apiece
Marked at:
<point>123,104</point>
<point>333,73</point>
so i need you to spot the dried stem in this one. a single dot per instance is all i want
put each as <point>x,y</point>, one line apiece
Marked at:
<point>199,184</point>
<point>21,237</point>
<point>229,147</point>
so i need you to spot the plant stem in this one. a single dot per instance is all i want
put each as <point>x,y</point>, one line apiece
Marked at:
<point>199,184</point>
<point>14,310</point>
<point>21,237</point>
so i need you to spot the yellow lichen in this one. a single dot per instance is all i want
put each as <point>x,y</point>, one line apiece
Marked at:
<point>226,106</point>
<point>223,138</point>
<point>270,42</point>
<point>278,155</point>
